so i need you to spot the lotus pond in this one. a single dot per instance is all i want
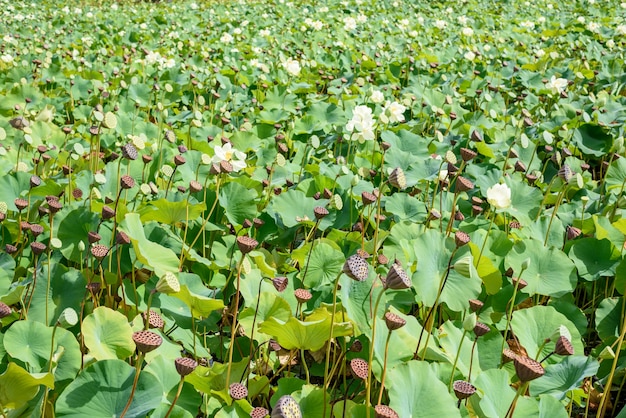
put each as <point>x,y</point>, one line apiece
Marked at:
<point>312,209</point>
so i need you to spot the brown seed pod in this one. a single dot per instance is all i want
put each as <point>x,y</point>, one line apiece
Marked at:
<point>475,305</point>
<point>394,321</point>
<point>368,198</point>
<point>127,182</point>
<point>237,391</point>
<point>154,319</point>
<point>286,407</point>
<point>320,212</point>
<point>461,238</point>
<point>397,278</point>
<point>185,365</point>
<point>280,283</point>
<point>564,347</point>
<point>463,184</point>
<point>259,412</point>
<point>246,244</point>
<point>5,310</point>
<point>129,152</point>
<point>359,368</point>
<point>302,295</point>
<point>37,247</point>
<point>468,154</point>
<point>383,411</point>
<point>481,329</point>
<point>356,268</point>
<point>99,251</point>
<point>528,369</point>
<point>463,389</point>
<point>147,341</point>
<point>21,204</point>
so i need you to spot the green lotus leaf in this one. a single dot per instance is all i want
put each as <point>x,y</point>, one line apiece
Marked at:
<point>73,228</point>
<point>171,213</point>
<point>238,202</point>
<point>550,271</point>
<point>103,388</point>
<point>269,306</point>
<point>615,177</point>
<point>17,386</point>
<point>432,263</point>
<point>562,377</point>
<point>162,367</point>
<point>592,140</point>
<point>325,262</point>
<point>310,334</point>
<point>533,325</point>
<point>31,342</point>
<point>7,271</point>
<point>593,258</point>
<point>153,255</point>
<point>406,208</point>
<point>608,318</point>
<point>427,393</point>
<point>201,306</point>
<point>291,206</point>
<point>107,334</point>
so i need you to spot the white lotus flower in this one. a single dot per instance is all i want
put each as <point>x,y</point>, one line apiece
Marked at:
<point>349,23</point>
<point>377,96</point>
<point>467,32</point>
<point>293,67</point>
<point>362,124</point>
<point>557,85</point>
<point>441,24</point>
<point>392,112</point>
<point>499,196</point>
<point>227,153</point>
<point>226,38</point>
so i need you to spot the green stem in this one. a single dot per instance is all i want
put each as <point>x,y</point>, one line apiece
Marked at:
<point>456,359</point>
<point>178,391</point>
<point>509,313</point>
<point>304,365</point>
<point>522,389</point>
<point>368,387</point>
<point>382,378</point>
<point>233,329</point>
<point>329,343</point>
<point>132,392</point>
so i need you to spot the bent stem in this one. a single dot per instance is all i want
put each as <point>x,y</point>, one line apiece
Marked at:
<point>132,392</point>
<point>382,378</point>
<point>444,279</point>
<point>329,343</point>
<point>522,389</point>
<point>368,387</point>
<point>178,391</point>
<point>509,313</point>
<point>233,329</point>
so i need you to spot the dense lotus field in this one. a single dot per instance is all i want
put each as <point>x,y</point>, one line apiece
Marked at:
<point>312,209</point>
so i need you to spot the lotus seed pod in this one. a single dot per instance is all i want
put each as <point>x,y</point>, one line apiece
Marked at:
<point>10,248</point>
<point>286,407</point>
<point>237,391</point>
<point>274,346</point>
<point>468,154</point>
<point>508,355</point>
<point>464,266</point>
<point>154,319</point>
<point>356,268</point>
<point>259,412</point>
<point>127,182</point>
<point>475,305</point>
<point>5,310</point>
<point>564,347</point>
<point>107,213</point>
<point>434,214</point>
<point>185,366</point>
<point>36,229</point>
<point>168,284</point>
<point>99,251</point>
<point>565,173</point>
<point>481,329</point>
<point>463,389</point>
<point>476,136</point>
<point>35,181</point>
<point>397,278</point>
<point>280,283</point>
<point>129,152</point>
<point>397,178</point>
<point>356,346</point>
<point>368,198</point>
<point>21,204</point>
<point>528,369</point>
<point>572,232</point>
<point>514,225</point>
<point>38,247</point>
<point>121,238</point>
<point>359,368</point>
<point>147,341</point>
<point>68,318</point>
<point>195,186</point>
<point>394,321</point>
<point>320,212</point>
<point>93,237</point>
<point>246,244</point>
<point>461,238</point>
<point>463,184</point>
<point>302,295</point>
<point>520,283</point>
<point>383,411</point>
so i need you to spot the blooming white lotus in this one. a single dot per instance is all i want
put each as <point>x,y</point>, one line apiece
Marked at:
<point>499,196</point>
<point>377,96</point>
<point>557,85</point>
<point>392,112</point>
<point>362,124</point>
<point>227,153</point>
<point>292,66</point>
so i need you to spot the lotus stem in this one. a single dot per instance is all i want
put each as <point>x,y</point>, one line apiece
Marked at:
<point>382,378</point>
<point>456,360</point>
<point>511,410</point>
<point>509,313</point>
<point>178,391</point>
<point>368,386</point>
<point>444,279</point>
<point>132,392</point>
<point>233,329</point>
<point>327,377</point>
